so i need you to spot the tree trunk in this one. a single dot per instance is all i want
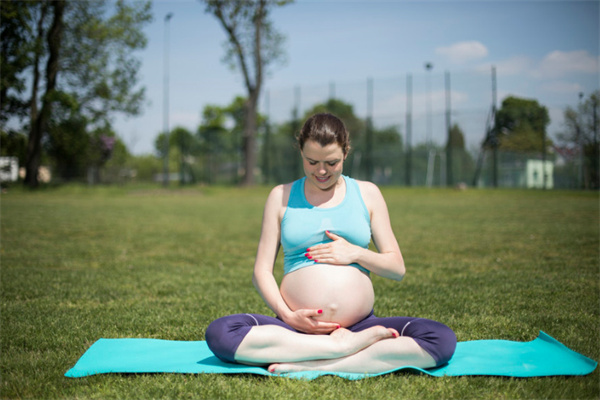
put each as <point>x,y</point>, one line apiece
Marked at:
<point>40,124</point>
<point>253,94</point>
<point>250,138</point>
<point>39,48</point>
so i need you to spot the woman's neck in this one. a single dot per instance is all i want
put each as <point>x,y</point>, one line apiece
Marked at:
<point>329,197</point>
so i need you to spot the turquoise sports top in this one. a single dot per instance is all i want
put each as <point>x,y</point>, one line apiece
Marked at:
<point>304,225</point>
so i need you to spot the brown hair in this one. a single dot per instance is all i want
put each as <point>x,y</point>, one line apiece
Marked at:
<point>325,129</point>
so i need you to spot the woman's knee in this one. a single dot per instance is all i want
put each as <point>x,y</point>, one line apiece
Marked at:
<point>436,338</point>
<point>447,343</point>
<point>224,335</point>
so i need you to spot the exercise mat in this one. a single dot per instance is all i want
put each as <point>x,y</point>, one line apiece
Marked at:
<point>544,356</point>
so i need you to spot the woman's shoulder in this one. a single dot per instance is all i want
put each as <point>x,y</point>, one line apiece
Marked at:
<point>368,188</point>
<point>281,190</point>
<point>370,193</point>
<point>279,196</point>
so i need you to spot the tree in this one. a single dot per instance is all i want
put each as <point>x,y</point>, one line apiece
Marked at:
<point>84,58</point>
<point>581,133</point>
<point>211,133</point>
<point>220,135</point>
<point>39,122</point>
<point>98,68</point>
<point>252,45</point>
<point>67,144</point>
<point>14,144</point>
<point>461,165</point>
<point>456,138</point>
<point>345,112</point>
<point>187,144</point>
<point>521,125</point>
<point>388,152</point>
<point>145,167</point>
<point>17,40</point>
<point>183,147</point>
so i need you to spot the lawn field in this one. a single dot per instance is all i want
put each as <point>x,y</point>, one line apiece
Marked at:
<point>79,264</point>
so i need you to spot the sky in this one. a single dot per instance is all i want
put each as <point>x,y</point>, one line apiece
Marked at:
<point>542,50</point>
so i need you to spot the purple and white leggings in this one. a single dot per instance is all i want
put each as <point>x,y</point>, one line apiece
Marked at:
<point>225,334</point>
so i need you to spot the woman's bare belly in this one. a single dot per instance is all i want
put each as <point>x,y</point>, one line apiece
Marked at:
<point>344,293</point>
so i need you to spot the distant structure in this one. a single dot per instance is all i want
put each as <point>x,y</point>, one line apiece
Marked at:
<point>9,169</point>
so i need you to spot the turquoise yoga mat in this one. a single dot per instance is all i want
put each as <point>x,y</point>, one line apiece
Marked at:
<point>544,356</point>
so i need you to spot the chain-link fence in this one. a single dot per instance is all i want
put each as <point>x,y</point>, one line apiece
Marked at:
<point>419,110</point>
<point>422,129</point>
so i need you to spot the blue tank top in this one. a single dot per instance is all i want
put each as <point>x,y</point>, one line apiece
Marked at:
<point>304,225</point>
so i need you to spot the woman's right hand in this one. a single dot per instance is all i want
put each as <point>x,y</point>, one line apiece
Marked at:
<point>305,320</point>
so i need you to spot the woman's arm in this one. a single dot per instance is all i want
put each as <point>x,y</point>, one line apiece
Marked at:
<point>387,262</point>
<point>263,278</point>
<point>268,247</point>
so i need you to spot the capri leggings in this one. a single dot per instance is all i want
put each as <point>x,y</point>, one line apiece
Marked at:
<point>225,334</point>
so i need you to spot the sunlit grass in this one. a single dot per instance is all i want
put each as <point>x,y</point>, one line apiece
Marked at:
<point>78,264</point>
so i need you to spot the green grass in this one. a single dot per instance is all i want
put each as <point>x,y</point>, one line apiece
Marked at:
<point>78,264</point>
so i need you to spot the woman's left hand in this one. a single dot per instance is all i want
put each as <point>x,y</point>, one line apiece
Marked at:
<point>339,251</point>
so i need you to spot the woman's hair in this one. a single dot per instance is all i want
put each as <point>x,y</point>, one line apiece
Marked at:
<point>325,129</point>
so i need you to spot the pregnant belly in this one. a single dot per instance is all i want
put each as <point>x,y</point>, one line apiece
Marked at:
<point>345,294</point>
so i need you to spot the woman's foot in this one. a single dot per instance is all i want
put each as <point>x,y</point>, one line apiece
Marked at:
<point>316,365</point>
<point>350,343</point>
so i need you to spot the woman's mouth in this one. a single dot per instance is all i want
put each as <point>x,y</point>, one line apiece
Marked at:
<point>322,179</point>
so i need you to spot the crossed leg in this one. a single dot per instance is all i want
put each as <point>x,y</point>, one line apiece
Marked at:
<point>381,356</point>
<point>266,344</point>
<point>371,346</point>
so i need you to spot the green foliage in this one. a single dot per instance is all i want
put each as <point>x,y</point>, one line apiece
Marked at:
<point>68,145</point>
<point>388,154</point>
<point>343,111</point>
<point>148,262</point>
<point>462,164</point>
<point>99,68</point>
<point>96,74</point>
<point>284,164</point>
<point>14,144</point>
<point>253,45</point>
<point>283,154</point>
<point>17,44</point>
<point>456,138</point>
<point>581,133</point>
<point>215,139</point>
<point>220,131</point>
<point>214,153</point>
<point>521,124</point>
<point>145,167</point>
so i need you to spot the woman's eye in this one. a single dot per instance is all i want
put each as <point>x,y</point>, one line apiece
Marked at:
<point>332,164</point>
<point>312,162</point>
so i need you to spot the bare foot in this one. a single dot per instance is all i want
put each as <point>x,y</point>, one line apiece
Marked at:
<point>283,368</point>
<point>350,343</point>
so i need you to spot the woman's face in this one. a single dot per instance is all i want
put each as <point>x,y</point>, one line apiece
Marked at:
<point>323,165</point>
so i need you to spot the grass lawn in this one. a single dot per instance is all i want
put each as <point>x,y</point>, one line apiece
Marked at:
<point>78,264</point>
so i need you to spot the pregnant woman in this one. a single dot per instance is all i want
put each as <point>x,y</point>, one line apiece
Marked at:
<point>324,306</point>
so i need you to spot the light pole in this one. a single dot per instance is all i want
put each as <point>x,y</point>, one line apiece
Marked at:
<point>429,67</point>
<point>582,183</point>
<point>166,101</point>
<point>431,156</point>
